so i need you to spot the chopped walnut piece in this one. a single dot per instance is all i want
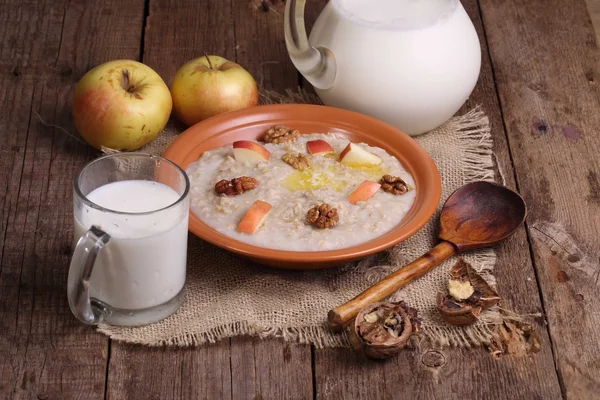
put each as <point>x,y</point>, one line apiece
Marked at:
<point>394,185</point>
<point>281,134</point>
<point>236,185</point>
<point>298,162</point>
<point>322,216</point>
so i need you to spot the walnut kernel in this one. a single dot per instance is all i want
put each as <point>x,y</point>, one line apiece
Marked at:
<point>298,162</point>
<point>394,185</point>
<point>236,185</point>
<point>281,134</point>
<point>372,317</point>
<point>322,216</point>
<point>468,295</point>
<point>460,290</point>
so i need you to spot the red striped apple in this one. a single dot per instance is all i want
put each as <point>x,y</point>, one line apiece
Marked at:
<point>315,147</point>
<point>247,151</point>
<point>211,85</point>
<point>121,104</point>
<point>254,217</point>
<point>356,155</point>
<point>363,192</point>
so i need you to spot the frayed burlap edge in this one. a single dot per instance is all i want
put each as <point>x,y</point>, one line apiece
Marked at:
<point>473,128</point>
<point>319,336</point>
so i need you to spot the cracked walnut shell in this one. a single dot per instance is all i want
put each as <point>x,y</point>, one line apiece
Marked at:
<point>468,295</point>
<point>394,185</point>
<point>281,134</point>
<point>236,185</point>
<point>322,216</point>
<point>381,330</point>
<point>300,161</point>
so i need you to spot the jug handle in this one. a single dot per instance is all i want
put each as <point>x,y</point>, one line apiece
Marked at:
<point>317,64</point>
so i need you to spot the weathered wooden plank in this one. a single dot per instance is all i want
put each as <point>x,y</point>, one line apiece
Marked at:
<point>260,44</point>
<point>270,369</point>
<point>177,32</point>
<point>282,370</point>
<point>243,368</point>
<point>546,62</point>
<point>594,10</point>
<point>16,96</point>
<point>48,353</point>
<point>453,373</point>
<point>138,372</point>
<point>429,374</point>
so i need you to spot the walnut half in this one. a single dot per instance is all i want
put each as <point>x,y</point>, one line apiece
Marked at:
<point>236,185</point>
<point>322,216</point>
<point>381,330</point>
<point>468,295</point>
<point>394,185</point>
<point>298,162</point>
<point>281,134</point>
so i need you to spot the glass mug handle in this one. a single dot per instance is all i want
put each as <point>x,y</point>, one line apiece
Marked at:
<point>80,271</point>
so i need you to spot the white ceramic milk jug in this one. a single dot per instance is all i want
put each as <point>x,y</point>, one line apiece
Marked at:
<point>411,63</point>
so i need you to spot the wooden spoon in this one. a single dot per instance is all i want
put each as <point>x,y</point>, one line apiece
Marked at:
<point>476,215</point>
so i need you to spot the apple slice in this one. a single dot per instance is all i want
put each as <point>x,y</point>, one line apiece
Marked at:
<point>319,146</point>
<point>356,155</point>
<point>254,217</point>
<point>363,192</point>
<point>247,151</point>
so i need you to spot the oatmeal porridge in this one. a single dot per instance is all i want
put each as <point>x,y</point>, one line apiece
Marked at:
<point>309,192</point>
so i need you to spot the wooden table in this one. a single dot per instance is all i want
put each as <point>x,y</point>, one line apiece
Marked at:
<point>539,85</point>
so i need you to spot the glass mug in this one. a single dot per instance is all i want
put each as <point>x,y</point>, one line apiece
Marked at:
<point>131,227</point>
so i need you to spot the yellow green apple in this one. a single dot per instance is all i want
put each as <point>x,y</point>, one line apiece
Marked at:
<point>211,85</point>
<point>121,104</point>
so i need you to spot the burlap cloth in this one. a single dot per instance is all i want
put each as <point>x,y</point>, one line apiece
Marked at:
<point>229,296</point>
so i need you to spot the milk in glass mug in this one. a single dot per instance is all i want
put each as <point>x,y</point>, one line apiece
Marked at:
<point>131,225</point>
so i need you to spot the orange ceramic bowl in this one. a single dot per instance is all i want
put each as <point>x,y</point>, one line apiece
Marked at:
<point>251,123</point>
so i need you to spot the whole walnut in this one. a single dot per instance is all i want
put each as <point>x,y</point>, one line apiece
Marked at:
<point>300,161</point>
<point>236,186</point>
<point>322,216</point>
<point>394,185</point>
<point>281,134</point>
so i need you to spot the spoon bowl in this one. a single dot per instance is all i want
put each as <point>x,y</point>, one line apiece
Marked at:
<point>480,214</point>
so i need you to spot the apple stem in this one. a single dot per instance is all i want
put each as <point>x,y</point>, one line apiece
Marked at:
<point>126,83</point>
<point>209,63</point>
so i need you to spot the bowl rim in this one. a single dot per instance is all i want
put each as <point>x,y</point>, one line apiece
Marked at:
<point>408,228</point>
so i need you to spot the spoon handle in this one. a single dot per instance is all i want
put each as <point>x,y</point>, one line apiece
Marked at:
<point>341,316</point>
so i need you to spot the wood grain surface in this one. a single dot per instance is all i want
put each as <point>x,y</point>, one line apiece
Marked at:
<point>547,65</point>
<point>176,32</point>
<point>538,85</point>
<point>450,374</point>
<point>46,48</point>
<point>593,7</point>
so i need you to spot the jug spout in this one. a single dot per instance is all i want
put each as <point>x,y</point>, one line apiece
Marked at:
<point>316,64</point>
